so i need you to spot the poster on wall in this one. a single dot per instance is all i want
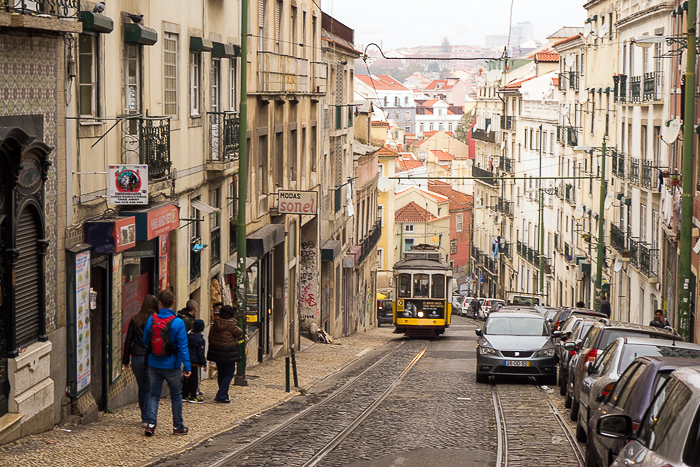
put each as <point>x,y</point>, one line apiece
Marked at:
<point>82,320</point>
<point>128,184</point>
<point>133,295</point>
<point>116,316</point>
<point>251,312</point>
<point>163,260</point>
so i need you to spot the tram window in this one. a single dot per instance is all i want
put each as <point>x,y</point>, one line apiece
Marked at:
<point>421,283</point>
<point>404,285</point>
<point>438,286</point>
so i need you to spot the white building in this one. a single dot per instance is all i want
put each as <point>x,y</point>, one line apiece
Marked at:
<point>436,115</point>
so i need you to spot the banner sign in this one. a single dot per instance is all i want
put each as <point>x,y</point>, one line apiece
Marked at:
<point>298,202</point>
<point>128,184</point>
<point>82,320</point>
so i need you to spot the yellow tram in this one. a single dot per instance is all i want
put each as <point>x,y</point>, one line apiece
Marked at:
<point>423,287</point>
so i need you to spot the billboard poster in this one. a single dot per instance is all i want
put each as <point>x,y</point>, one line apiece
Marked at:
<point>132,298</point>
<point>82,320</point>
<point>128,184</point>
<point>116,317</point>
<point>430,309</point>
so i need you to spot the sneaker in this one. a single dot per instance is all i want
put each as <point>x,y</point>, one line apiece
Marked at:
<point>223,401</point>
<point>145,424</point>
<point>186,398</point>
<point>195,400</point>
<point>180,431</point>
<point>150,428</point>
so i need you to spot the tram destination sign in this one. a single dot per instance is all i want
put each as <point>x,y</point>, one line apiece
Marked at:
<point>298,202</point>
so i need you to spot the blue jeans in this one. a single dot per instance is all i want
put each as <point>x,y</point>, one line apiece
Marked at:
<point>173,376</point>
<point>138,366</point>
<point>224,376</point>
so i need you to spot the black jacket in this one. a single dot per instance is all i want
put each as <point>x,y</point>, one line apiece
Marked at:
<point>185,316</point>
<point>196,344</point>
<point>134,344</point>
<point>223,341</point>
<point>605,307</point>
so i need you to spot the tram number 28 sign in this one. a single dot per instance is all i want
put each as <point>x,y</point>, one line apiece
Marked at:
<point>298,202</point>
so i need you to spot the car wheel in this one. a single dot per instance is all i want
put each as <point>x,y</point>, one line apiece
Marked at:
<point>567,401</point>
<point>481,378</point>
<point>590,455</point>
<point>580,433</point>
<point>549,380</point>
<point>574,410</point>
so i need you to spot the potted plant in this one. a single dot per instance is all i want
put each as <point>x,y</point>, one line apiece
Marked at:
<point>625,253</point>
<point>586,237</point>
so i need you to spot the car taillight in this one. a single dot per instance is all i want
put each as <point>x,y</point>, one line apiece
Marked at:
<point>635,426</point>
<point>556,326</point>
<point>607,390</point>
<point>572,352</point>
<point>590,357</point>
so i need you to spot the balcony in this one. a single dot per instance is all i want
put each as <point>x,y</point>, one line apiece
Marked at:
<point>570,194</point>
<point>653,86</point>
<point>563,77</point>
<point>223,137</point>
<point>215,247</point>
<point>620,88</point>
<point>648,261</point>
<point>369,243</point>
<point>648,178</point>
<point>634,253</point>
<point>195,259</point>
<point>635,89</point>
<point>280,74</point>
<point>506,249</point>
<point>520,248</point>
<point>319,77</point>
<point>634,171</point>
<point>508,122</point>
<point>232,237</point>
<point>506,164</point>
<point>618,164</point>
<point>146,140</point>
<point>617,239</point>
<point>568,251</point>
<point>573,80</point>
<point>505,207</point>
<point>536,258</point>
<point>557,242</point>
<point>481,135</point>
<point>486,176</point>
<point>43,14</point>
<point>572,136</point>
<point>530,254</point>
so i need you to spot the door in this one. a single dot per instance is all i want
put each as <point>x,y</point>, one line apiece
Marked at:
<point>100,329</point>
<point>4,312</point>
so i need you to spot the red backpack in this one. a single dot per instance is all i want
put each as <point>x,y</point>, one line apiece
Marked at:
<point>160,336</point>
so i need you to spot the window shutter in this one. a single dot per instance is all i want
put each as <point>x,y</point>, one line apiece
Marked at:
<point>261,13</point>
<point>278,20</point>
<point>28,275</point>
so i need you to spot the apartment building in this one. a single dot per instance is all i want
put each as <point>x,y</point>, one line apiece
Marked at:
<point>436,115</point>
<point>392,100</point>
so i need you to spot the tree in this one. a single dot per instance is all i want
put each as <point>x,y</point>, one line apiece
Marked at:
<point>445,44</point>
<point>434,67</point>
<point>463,128</point>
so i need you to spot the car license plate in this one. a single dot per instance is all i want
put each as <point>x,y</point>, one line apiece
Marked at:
<point>516,363</point>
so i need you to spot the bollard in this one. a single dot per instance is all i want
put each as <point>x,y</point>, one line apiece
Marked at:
<point>286,379</point>
<point>294,368</point>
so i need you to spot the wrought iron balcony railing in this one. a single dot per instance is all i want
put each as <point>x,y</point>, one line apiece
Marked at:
<point>568,251</point>
<point>215,247</point>
<point>572,136</point>
<point>557,242</point>
<point>653,86</point>
<point>506,165</point>
<point>56,8</point>
<point>570,195</point>
<point>530,253</point>
<point>573,80</point>
<point>617,239</point>
<point>563,77</point>
<point>223,136</point>
<point>618,164</point>
<point>634,252</point>
<point>195,259</point>
<point>279,73</point>
<point>232,237</point>
<point>481,135</point>
<point>620,88</point>
<point>370,241</point>
<point>634,171</point>
<point>507,122</point>
<point>507,249</point>
<point>146,140</point>
<point>648,260</point>
<point>635,89</point>
<point>487,176</point>
<point>648,178</point>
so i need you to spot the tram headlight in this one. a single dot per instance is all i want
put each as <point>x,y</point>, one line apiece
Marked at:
<point>486,350</point>
<point>420,314</point>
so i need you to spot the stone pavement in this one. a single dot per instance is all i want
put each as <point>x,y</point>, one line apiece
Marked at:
<point>118,439</point>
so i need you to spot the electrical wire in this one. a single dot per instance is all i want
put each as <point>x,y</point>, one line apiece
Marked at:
<point>364,56</point>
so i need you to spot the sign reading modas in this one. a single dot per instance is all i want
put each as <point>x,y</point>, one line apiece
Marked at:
<point>298,202</point>
<point>128,184</point>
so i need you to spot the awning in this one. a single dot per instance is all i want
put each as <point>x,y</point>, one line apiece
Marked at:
<point>200,44</point>
<point>330,250</point>
<point>223,50</point>
<point>380,296</point>
<point>96,23</point>
<point>155,220</point>
<point>230,265</point>
<point>264,239</point>
<point>111,235</point>
<point>203,207</point>
<point>139,34</point>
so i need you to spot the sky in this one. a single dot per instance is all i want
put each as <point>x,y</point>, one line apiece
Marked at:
<point>410,23</point>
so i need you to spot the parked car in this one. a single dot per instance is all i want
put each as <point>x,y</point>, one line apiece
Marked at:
<point>466,309</point>
<point>385,313</point>
<point>598,338</point>
<point>515,343</point>
<point>600,377</point>
<point>457,301</point>
<point>669,431</point>
<point>564,354</point>
<point>631,396</point>
<point>493,304</point>
<point>564,313</point>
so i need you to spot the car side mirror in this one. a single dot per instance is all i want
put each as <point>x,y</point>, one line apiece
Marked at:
<point>478,332</point>
<point>569,346</point>
<point>557,334</point>
<point>550,321</point>
<point>615,426</point>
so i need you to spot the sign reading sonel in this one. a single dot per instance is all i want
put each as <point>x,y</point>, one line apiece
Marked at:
<point>298,202</point>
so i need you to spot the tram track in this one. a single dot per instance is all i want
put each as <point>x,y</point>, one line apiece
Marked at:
<point>531,430</point>
<point>254,452</point>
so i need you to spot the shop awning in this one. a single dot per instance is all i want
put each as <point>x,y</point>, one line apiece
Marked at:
<point>203,207</point>
<point>111,235</point>
<point>139,34</point>
<point>224,50</point>
<point>154,220</point>
<point>330,250</point>
<point>230,265</point>
<point>200,44</point>
<point>96,23</point>
<point>264,239</point>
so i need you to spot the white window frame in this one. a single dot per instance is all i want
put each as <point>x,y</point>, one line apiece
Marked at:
<point>90,57</point>
<point>233,85</point>
<point>195,84</point>
<point>171,43</point>
<point>380,258</point>
<point>380,213</point>
<point>408,228</point>
<point>459,222</point>
<point>136,84</point>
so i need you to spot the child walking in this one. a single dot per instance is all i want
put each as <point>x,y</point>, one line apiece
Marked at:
<point>197,359</point>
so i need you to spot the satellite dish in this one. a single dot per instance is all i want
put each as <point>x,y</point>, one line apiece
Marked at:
<point>587,30</point>
<point>384,184</point>
<point>584,98</point>
<point>578,212</point>
<point>603,30</point>
<point>494,75</point>
<point>470,162</point>
<point>608,201</point>
<point>570,59</point>
<point>674,129</point>
<point>618,265</point>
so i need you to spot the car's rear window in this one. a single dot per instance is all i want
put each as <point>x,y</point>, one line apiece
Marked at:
<point>515,326</point>
<point>630,352</point>
<point>610,335</point>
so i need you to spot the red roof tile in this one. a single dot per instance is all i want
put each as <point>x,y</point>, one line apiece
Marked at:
<point>383,82</point>
<point>458,200</point>
<point>517,84</point>
<point>547,57</point>
<point>442,155</point>
<point>564,41</point>
<point>404,165</point>
<point>412,213</point>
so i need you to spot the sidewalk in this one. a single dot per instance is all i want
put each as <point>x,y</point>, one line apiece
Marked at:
<point>118,439</point>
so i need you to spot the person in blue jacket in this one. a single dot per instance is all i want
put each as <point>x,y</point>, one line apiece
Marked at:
<point>168,368</point>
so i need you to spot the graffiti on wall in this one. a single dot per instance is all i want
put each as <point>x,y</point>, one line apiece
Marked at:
<point>308,290</point>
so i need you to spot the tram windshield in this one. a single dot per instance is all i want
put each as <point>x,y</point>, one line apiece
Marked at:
<point>421,283</point>
<point>404,286</point>
<point>438,286</point>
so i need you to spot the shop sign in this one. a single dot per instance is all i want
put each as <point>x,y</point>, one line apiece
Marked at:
<point>82,321</point>
<point>111,236</point>
<point>128,184</point>
<point>297,202</point>
<point>161,221</point>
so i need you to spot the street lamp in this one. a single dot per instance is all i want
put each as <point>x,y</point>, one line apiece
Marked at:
<point>648,41</point>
